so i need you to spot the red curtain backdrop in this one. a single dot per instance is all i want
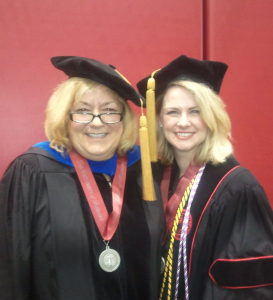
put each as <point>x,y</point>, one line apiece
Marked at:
<point>137,37</point>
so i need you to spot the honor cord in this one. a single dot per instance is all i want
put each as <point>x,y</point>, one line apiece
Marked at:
<point>183,238</point>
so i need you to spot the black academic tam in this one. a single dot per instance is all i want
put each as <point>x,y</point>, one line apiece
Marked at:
<point>76,66</point>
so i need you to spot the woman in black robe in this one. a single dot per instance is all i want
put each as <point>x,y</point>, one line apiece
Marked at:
<point>70,234</point>
<point>219,239</point>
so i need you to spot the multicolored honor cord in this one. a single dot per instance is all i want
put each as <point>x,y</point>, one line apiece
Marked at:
<point>171,206</point>
<point>167,277</point>
<point>183,238</point>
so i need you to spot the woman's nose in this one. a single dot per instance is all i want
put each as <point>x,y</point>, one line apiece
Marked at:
<point>96,121</point>
<point>184,120</point>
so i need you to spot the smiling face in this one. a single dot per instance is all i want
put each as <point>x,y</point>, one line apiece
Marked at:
<point>183,125</point>
<point>96,140</point>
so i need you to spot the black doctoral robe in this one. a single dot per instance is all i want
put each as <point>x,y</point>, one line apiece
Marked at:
<point>230,237</point>
<point>50,244</point>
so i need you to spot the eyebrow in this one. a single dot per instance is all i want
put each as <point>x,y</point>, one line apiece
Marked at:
<point>194,107</point>
<point>104,104</point>
<point>85,103</point>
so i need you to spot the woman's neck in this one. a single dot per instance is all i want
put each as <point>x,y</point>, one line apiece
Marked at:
<point>183,161</point>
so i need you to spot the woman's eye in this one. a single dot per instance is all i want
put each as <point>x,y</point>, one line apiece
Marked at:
<point>195,111</point>
<point>81,110</point>
<point>109,109</point>
<point>172,112</point>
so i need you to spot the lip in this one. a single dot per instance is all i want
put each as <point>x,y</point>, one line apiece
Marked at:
<point>97,135</point>
<point>184,135</point>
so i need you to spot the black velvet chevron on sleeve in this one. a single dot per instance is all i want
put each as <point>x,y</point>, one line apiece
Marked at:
<point>242,273</point>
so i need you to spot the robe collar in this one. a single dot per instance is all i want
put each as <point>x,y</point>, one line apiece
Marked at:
<point>107,167</point>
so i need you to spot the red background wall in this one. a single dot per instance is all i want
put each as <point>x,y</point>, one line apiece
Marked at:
<point>137,37</point>
<point>240,33</point>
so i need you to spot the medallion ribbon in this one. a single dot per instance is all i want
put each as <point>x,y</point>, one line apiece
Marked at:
<point>171,206</point>
<point>107,224</point>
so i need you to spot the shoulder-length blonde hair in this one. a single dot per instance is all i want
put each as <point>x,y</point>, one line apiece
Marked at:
<point>217,146</point>
<point>64,97</point>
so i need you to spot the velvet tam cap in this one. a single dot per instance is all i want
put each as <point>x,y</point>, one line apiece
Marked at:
<point>208,72</point>
<point>75,66</point>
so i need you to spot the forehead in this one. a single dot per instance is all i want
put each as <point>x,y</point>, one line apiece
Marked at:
<point>177,96</point>
<point>99,95</point>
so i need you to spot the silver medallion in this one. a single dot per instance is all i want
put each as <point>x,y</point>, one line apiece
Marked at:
<point>109,260</point>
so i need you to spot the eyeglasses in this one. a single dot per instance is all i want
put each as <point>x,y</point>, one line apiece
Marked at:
<point>86,117</point>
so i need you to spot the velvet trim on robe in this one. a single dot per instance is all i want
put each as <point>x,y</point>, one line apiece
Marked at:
<point>107,167</point>
<point>236,225</point>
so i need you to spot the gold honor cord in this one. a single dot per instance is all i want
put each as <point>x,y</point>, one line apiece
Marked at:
<point>151,117</point>
<point>167,277</point>
<point>147,176</point>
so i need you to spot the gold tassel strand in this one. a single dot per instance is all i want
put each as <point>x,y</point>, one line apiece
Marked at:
<point>151,117</point>
<point>147,177</point>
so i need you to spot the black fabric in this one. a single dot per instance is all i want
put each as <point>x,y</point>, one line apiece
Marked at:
<point>243,273</point>
<point>50,244</point>
<point>237,224</point>
<point>75,66</point>
<point>213,175</point>
<point>210,73</point>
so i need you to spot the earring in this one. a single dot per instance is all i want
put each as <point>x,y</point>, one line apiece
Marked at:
<point>161,125</point>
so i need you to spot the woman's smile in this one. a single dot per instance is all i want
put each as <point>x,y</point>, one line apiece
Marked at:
<point>184,135</point>
<point>97,135</point>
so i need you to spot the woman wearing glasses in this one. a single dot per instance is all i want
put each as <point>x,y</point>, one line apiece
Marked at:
<point>73,222</point>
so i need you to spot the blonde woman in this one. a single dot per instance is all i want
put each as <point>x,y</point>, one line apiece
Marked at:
<point>73,224</point>
<point>219,236</point>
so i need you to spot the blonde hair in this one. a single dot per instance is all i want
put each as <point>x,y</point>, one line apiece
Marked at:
<point>217,146</point>
<point>64,97</point>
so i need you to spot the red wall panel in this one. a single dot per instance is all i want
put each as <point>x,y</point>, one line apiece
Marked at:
<point>240,34</point>
<point>135,36</point>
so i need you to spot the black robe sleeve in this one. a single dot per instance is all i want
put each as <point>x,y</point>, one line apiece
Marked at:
<point>237,242</point>
<point>19,194</point>
<point>50,245</point>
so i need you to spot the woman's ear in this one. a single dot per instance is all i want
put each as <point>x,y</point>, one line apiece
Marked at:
<point>159,120</point>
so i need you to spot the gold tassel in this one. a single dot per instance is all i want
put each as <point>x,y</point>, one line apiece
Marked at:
<point>151,117</point>
<point>147,177</point>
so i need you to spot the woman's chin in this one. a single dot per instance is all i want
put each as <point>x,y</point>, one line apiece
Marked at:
<point>97,155</point>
